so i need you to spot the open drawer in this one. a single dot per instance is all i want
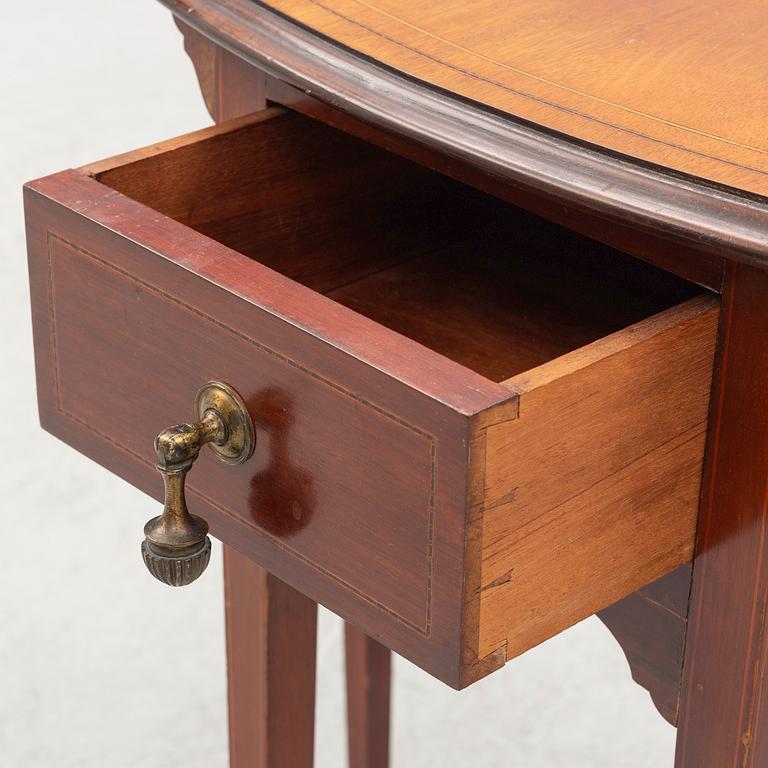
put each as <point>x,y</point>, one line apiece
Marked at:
<point>474,428</point>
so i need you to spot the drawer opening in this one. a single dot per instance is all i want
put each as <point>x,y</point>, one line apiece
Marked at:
<point>484,283</point>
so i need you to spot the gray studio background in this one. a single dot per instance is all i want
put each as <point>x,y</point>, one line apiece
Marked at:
<point>84,681</point>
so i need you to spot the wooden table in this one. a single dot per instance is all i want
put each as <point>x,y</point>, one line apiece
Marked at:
<point>472,280</point>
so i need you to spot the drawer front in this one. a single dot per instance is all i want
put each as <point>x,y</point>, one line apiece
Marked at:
<point>129,353</point>
<point>355,494</point>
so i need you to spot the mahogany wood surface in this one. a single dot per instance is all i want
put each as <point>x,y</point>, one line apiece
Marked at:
<point>368,437</point>
<point>271,645</point>
<point>629,195</point>
<point>397,423</point>
<point>368,669</point>
<point>230,86</point>
<point>724,713</point>
<point>650,626</point>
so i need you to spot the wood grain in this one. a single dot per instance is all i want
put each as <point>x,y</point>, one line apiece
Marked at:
<point>368,691</point>
<point>650,625</point>
<point>313,203</point>
<point>230,86</point>
<point>629,75</point>
<point>621,425</point>
<point>271,643</point>
<point>300,210</point>
<point>288,191</point>
<point>501,309</point>
<point>724,710</point>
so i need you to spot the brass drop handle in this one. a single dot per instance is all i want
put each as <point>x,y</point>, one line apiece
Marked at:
<point>176,548</point>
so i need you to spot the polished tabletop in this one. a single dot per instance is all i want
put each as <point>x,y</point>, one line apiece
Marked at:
<point>674,83</point>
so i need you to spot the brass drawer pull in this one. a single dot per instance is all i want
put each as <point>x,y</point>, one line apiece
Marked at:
<point>176,548</point>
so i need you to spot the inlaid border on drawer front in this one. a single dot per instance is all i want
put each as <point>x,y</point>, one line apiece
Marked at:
<point>424,630</point>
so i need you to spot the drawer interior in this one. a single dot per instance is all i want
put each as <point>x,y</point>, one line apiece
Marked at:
<point>476,279</point>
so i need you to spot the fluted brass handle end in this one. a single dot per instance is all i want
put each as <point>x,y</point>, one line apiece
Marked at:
<point>176,548</point>
<point>175,569</point>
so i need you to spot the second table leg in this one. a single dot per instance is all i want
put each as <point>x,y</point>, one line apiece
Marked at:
<point>368,691</point>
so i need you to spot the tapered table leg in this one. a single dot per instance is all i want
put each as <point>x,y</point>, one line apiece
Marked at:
<point>368,688</point>
<point>271,646</point>
<point>724,705</point>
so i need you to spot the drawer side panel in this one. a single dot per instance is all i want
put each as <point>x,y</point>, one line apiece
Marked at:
<point>593,491</point>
